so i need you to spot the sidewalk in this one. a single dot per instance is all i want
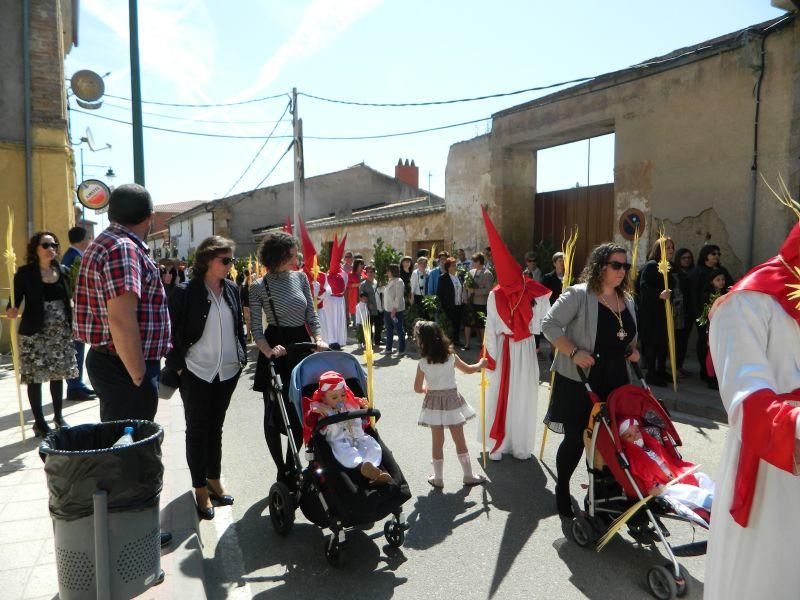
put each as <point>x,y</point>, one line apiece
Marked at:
<point>27,557</point>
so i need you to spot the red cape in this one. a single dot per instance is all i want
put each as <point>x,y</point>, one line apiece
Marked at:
<point>646,471</point>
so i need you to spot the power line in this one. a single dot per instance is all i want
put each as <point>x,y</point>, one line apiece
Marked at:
<point>391,135</point>
<point>275,166</point>
<point>239,103</point>
<point>260,150</point>
<point>183,132</point>
<point>307,137</point>
<point>438,102</point>
<point>177,118</point>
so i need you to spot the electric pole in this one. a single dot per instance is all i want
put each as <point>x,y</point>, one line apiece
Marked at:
<point>136,95</point>
<point>299,166</point>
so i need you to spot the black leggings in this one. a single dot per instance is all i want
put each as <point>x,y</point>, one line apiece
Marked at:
<point>567,458</point>
<point>35,399</point>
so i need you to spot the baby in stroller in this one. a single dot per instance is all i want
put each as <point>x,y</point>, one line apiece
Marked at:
<point>653,468</point>
<point>351,446</point>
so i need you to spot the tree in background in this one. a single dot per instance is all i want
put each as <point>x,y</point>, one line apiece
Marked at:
<point>384,255</point>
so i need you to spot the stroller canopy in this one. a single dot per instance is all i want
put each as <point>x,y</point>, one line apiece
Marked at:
<point>311,367</point>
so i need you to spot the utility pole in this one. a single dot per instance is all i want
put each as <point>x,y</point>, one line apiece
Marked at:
<point>299,166</point>
<point>136,95</point>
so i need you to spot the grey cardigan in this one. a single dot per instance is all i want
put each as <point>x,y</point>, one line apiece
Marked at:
<point>574,314</point>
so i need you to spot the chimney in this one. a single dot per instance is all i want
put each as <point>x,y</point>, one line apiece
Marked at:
<point>407,173</point>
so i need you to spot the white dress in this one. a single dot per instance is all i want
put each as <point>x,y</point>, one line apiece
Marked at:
<point>350,445</point>
<point>334,323</point>
<point>755,345</point>
<point>523,385</point>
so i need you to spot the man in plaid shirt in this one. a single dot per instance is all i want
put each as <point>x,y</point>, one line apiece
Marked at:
<point>121,310</point>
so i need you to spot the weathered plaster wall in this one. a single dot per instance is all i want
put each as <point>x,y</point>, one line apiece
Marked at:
<point>468,185</point>
<point>398,233</point>
<point>684,141</point>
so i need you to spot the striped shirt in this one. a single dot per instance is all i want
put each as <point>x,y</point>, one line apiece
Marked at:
<point>291,295</point>
<point>117,262</point>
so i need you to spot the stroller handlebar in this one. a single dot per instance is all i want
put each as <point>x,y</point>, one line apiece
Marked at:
<point>346,416</point>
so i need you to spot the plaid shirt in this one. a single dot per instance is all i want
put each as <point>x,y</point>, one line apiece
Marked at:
<point>114,263</point>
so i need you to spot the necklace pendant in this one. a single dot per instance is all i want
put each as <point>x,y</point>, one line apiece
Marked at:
<point>621,334</point>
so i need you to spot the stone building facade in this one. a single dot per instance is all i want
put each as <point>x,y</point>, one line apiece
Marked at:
<point>695,131</point>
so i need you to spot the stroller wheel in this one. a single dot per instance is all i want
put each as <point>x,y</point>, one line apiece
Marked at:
<point>682,583</point>
<point>662,583</point>
<point>582,532</point>
<point>333,551</point>
<point>395,533</point>
<point>281,508</point>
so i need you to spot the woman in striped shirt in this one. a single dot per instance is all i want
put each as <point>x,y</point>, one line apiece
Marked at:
<point>286,292</point>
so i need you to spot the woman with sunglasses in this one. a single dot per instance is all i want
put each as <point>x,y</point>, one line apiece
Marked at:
<point>708,259</point>
<point>208,353</point>
<point>593,326</point>
<point>45,332</point>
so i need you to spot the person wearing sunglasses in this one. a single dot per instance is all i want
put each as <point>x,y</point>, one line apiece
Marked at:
<point>46,351</point>
<point>208,354</point>
<point>593,326</point>
<point>708,259</point>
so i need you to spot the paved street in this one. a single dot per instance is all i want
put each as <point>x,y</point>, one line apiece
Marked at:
<point>502,542</point>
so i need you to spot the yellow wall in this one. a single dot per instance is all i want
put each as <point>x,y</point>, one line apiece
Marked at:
<point>53,196</point>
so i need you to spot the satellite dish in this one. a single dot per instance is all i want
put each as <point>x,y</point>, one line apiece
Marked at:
<point>87,85</point>
<point>90,140</point>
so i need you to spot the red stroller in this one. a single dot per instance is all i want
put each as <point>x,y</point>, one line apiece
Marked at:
<point>613,489</point>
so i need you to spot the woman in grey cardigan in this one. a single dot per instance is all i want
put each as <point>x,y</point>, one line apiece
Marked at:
<point>593,326</point>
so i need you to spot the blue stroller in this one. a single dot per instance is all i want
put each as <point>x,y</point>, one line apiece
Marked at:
<point>329,495</point>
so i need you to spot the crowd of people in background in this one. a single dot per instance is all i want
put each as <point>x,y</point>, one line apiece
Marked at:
<point>109,295</point>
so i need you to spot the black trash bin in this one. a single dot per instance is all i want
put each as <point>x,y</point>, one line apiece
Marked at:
<point>104,506</point>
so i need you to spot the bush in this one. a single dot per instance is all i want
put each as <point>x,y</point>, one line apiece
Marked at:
<point>383,256</point>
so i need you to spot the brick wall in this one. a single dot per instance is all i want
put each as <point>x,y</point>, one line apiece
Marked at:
<point>47,63</point>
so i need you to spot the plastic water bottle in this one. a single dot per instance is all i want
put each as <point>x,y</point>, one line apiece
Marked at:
<point>126,439</point>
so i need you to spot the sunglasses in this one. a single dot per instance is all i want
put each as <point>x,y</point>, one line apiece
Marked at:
<point>616,265</point>
<point>226,260</point>
<point>49,246</point>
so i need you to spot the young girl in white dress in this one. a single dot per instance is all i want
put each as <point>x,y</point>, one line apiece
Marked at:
<point>351,446</point>
<point>443,406</point>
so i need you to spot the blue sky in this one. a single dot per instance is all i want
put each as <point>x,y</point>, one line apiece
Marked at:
<point>368,50</point>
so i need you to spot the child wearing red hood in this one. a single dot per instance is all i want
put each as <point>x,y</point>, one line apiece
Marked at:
<point>352,447</point>
<point>652,467</point>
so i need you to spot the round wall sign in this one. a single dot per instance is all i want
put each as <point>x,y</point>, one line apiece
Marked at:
<point>631,220</point>
<point>87,85</point>
<point>94,194</point>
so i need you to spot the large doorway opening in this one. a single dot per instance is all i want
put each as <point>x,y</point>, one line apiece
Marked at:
<point>575,188</point>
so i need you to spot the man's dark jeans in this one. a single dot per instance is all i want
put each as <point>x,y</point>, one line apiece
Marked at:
<point>119,398</point>
<point>76,385</point>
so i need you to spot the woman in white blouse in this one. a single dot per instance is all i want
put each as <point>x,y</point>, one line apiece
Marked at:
<point>394,306</point>
<point>208,353</point>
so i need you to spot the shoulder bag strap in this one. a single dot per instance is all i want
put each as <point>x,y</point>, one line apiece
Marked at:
<point>272,306</point>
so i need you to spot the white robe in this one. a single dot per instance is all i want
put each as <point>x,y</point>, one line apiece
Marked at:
<point>523,384</point>
<point>350,445</point>
<point>334,321</point>
<point>755,345</point>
